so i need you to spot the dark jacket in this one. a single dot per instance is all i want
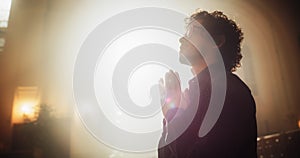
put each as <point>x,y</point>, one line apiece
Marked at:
<point>233,136</point>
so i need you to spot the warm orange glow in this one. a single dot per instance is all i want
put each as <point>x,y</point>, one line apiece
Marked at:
<point>24,110</point>
<point>25,104</point>
<point>299,123</point>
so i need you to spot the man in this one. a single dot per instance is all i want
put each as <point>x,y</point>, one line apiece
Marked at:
<point>234,133</point>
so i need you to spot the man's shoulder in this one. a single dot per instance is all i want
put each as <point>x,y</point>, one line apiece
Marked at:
<point>236,84</point>
<point>238,94</point>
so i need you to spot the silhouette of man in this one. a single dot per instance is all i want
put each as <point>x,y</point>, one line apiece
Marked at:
<point>235,132</point>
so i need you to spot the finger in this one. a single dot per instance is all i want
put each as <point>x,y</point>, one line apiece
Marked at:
<point>178,79</point>
<point>161,86</point>
<point>177,75</point>
<point>162,91</point>
<point>168,80</point>
<point>172,85</point>
<point>161,82</point>
<point>174,74</point>
<point>185,93</point>
<point>175,79</point>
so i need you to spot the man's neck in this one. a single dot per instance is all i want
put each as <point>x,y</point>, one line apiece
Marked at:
<point>196,69</point>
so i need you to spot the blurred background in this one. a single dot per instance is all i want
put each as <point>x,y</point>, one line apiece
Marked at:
<point>39,41</point>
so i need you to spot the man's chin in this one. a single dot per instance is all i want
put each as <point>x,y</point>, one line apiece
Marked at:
<point>183,60</point>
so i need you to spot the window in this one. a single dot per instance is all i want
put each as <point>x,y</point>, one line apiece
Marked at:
<point>4,12</point>
<point>26,103</point>
<point>4,16</point>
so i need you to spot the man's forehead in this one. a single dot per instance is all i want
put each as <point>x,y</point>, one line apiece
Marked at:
<point>199,24</point>
<point>196,22</point>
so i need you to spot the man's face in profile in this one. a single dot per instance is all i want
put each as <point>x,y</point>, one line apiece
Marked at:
<point>194,40</point>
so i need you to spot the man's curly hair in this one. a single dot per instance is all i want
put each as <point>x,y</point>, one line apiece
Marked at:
<point>216,23</point>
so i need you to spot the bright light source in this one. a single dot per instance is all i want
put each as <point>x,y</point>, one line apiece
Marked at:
<point>299,123</point>
<point>26,101</point>
<point>27,109</point>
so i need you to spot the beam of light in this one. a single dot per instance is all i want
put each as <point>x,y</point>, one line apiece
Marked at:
<point>138,84</point>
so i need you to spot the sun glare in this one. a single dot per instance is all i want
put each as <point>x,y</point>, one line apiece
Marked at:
<point>27,109</point>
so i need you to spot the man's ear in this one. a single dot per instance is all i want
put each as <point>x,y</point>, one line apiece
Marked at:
<point>220,40</point>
